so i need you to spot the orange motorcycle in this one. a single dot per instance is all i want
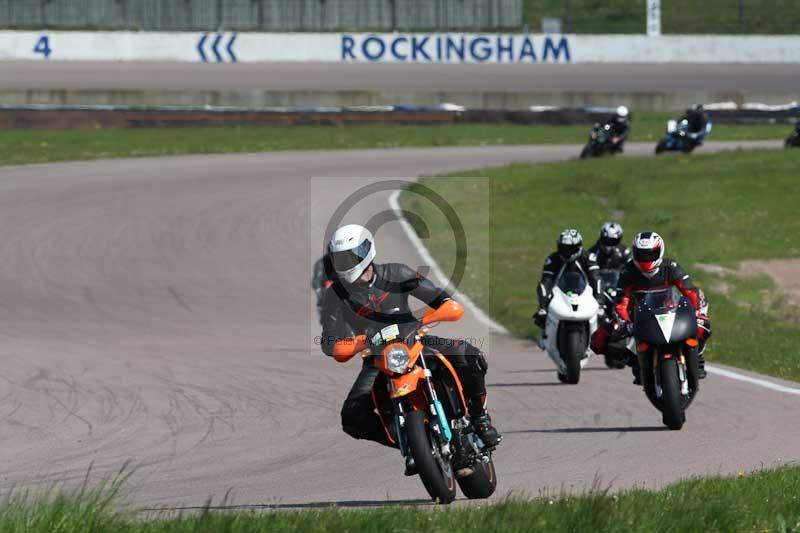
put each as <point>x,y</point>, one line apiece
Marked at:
<point>421,403</point>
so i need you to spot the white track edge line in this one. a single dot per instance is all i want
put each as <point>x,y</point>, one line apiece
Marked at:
<point>417,243</point>
<point>753,381</point>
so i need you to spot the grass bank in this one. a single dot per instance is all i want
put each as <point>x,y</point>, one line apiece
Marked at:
<point>677,16</point>
<point>765,501</point>
<point>715,209</point>
<point>26,146</point>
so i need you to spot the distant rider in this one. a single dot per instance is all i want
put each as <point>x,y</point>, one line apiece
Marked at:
<point>320,281</point>
<point>608,253</point>
<point>698,122</point>
<point>568,257</point>
<point>618,127</point>
<point>650,269</point>
<point>362,289</point>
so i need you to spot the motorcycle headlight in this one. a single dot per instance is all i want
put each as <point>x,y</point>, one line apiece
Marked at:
<point>397,359</point>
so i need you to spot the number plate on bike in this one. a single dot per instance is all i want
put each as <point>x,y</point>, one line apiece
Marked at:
<point>387,334</point>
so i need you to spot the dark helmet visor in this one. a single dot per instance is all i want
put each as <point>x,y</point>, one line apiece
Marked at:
<point>347,259</point>
<point>610,241</point>
<point>646,255</point>
<point>568,250</point>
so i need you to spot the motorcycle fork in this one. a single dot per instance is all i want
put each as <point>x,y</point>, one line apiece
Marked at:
<point>399,426</point>
<point>658,357</point>
<point>436,408</point>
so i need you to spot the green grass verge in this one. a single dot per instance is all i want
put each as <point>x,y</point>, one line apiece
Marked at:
<point>765,501</point>
<point>718,209</point>
<point>677,16</point>
<point>26,146</point>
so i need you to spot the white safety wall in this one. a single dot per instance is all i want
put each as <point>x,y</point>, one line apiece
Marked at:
<point>396,47</point>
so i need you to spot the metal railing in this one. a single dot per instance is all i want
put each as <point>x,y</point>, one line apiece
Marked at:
<point>263,15</point>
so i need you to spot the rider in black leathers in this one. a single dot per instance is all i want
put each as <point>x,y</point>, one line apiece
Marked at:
<point>350,308</point>
<point>569,257</point>
<point>697,120</point>
<point>618,126</point>
<point>607,253</point>
<point>320,281</point>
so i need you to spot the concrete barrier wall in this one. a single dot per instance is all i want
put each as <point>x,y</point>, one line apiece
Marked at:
<point>396,47</point>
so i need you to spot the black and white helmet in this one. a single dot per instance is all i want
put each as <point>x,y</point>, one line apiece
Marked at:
<point>623,114</point>
<point>648,252</point>
<point>352,250</point>
<point>610,236</point>
<point>696,108</point>
<point>570,244</point>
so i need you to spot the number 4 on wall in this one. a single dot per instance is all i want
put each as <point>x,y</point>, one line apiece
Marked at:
<point>43,46</point>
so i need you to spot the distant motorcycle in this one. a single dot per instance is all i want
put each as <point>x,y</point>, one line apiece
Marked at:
<point>601,141</point>
<point>680,139</point>
<point>793,140</point>
<point>571,321</point>
<point>665,328</point>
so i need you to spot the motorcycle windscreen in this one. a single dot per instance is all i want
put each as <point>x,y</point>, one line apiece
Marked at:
<point>663,316</point>
<point>609,279</point>
<point>572,282</point>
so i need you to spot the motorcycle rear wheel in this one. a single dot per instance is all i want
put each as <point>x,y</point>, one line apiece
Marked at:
<point>440,485</point>
<point>614,362</point>
<point>672,411</point>
<point>481,483</point>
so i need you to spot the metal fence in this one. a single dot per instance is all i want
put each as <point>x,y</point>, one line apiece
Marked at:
<point>266,15</point>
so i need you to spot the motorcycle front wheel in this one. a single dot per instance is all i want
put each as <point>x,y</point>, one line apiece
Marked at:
<point>481,483</point>
<point>434,471</point>
<point>572,346</point>
<point>672,412</point>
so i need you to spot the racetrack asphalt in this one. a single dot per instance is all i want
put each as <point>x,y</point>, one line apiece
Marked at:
<point>159,311</point>
<point>627,78</point>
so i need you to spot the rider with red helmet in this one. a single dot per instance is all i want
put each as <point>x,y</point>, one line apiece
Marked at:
<point>649,269</point>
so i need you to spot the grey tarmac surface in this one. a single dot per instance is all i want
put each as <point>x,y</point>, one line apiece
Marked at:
<point>628,78</point>
<point>159,311</point>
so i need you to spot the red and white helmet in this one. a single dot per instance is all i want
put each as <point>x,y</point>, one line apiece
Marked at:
<point>648,252</point>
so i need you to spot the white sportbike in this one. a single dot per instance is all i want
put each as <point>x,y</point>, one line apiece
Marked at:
<point>571,321</point>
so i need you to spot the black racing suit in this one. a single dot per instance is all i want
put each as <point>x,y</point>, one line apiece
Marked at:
<point>605,258</point>
<point>554,267</point>
<point>697,122</point>
<point>321,281</point>
<point>619,130</point>
<point>352,309</point>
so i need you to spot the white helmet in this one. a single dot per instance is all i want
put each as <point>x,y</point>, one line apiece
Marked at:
<point>622,111</point>
<point>352,250</point>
